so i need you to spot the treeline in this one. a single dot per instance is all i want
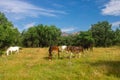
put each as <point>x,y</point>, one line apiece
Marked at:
<point>100,34</point>
<point>40,36</point>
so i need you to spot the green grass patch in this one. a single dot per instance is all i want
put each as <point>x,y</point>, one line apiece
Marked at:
<point>32,64</point>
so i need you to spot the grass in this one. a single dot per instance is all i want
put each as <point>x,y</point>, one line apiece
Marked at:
<point>32,64</point>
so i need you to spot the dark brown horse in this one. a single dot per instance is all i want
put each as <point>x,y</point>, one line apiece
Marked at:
<point>88,47</point>
<point>53,49</point>
<point>74,50</point>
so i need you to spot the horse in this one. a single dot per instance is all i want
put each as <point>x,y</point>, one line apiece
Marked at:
<point>74,50</point>
<point>63,48</point>
<point>88,47</point>
<point>53,49</point>
<point>12,49</point>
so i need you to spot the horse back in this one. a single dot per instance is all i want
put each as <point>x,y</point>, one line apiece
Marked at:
<point>53,48</point>
<point>75,49</point>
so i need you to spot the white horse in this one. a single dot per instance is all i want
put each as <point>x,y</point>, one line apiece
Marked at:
<point>13,49</point>
<point>62,48</point>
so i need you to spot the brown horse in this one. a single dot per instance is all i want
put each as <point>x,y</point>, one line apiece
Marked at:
<point>53,49</point>
<point>74,50</point>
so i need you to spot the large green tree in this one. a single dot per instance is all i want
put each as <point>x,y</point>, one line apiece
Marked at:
<point>9,35</point>
<point>102,33</point>
<point>41,36</point>
<point>30,37</point>
<point>84,38</point>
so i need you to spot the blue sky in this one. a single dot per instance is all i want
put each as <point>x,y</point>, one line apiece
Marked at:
<point>68,15</point>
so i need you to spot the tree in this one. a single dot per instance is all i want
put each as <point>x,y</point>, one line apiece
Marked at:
<point>84,38</point>
<point>8,34</point>
<point>67,40</point>
<point>30,37</point>
<point>116,39</point>
<point>41,36</point>
<point>101,32</point>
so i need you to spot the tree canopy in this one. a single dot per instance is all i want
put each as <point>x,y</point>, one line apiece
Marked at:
<point>41,36</point>
<point>9,35</point>
<point>100,34</point>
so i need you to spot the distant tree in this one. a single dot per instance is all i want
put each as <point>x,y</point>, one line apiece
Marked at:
<point>116,38</point>
<point>52,34</point>
<point>102,33</point>
<point>41,36</point>
<point>30,37</point>
<point>67,40</point>
<point>84,38</point>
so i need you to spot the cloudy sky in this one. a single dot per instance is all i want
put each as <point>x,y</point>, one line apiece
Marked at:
<point>68,15</point>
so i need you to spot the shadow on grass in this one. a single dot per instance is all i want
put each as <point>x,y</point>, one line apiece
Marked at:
<point>1,55</point>
<point>47,58</point>
<point>109,67</point>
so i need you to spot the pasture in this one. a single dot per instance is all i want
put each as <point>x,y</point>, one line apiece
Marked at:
<point>32,64</point>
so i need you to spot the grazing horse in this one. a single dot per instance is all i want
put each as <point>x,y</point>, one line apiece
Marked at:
<point>74,50</point>
<point>53,49</point>
<point>12,49</point>
<point>63,48</point>
<point>88,47</point>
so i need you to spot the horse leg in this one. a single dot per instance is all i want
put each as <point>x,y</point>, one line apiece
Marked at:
<point>10,52</point>
<point>79,54</point>
<point>50,55</point>
<point>17,51</point>
<point>58,55</point>
<point>63,53</point>
<point>71,55</point>
<point>7,53</point>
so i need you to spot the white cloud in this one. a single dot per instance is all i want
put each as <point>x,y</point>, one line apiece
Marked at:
<point>112,8</point>
<point>29,25</point>
<point>68,29</point>
<point>116,24</point>
<point>17,7</point>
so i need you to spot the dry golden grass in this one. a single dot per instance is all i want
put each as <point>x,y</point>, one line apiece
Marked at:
<point>32,64</point>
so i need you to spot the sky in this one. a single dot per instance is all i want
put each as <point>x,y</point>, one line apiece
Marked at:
<point>68,15</point>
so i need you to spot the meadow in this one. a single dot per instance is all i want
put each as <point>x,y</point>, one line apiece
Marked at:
<point>33,64</point>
